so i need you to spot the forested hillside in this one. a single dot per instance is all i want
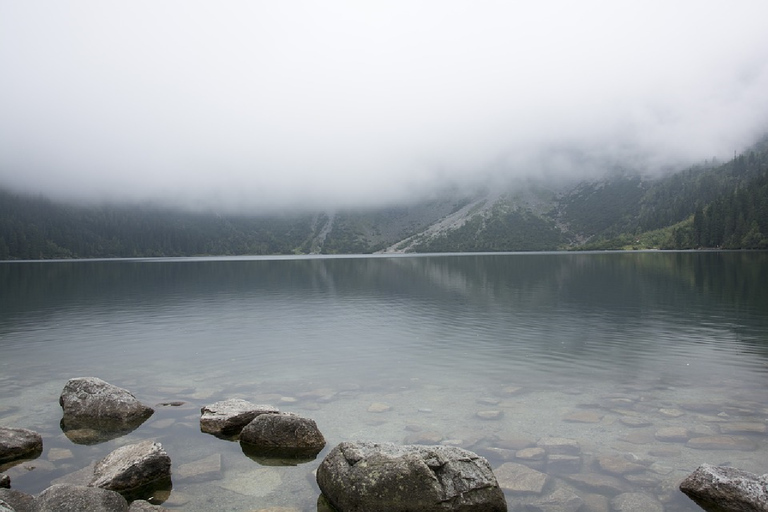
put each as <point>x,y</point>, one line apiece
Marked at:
<point>714,205</point>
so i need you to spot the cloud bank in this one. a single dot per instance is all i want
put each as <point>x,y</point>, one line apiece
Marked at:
<point>256,104</point>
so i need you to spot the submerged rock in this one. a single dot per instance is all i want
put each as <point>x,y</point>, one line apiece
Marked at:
<point>636,502</point>
<point>228,417</point>
<point>373,477</point>
<point>76,498</point>
<point>202,470</point>
<point>561,500</point>
<point>19,443</point>
<point>104,411</point>
<point>520,479</point>
<point>726,489</point>
<point>133,470</point>
<point>283,435</point>
<point>722,443</point>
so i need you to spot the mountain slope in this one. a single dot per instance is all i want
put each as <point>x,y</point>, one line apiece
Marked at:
<point>710,205</point>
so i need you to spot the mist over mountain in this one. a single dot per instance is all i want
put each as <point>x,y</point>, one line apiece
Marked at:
<point>710,205</point>
<point>247,107</point>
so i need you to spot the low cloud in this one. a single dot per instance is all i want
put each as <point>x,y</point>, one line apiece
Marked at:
<point>269,105</point>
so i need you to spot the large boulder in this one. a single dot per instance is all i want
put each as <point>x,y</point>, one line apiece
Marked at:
<point>726,489</point>
<point>76,498</point>
<point>100,409</point>
<point>5,481</point>
<point>19,443</point>
<point>282,435</point>
<point>371,477</point>
<point>134,470</point>
<point>228,417</point>
<point>18,501</point>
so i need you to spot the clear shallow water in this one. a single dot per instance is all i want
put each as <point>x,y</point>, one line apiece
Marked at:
<point>677,339</point>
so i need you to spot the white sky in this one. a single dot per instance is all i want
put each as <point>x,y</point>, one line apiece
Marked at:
<point>283,103</point>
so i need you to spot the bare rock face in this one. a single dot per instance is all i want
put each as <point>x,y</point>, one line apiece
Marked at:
<point>105,411</point>
<point>228,417</point>
<point>371,477</point>
<point>134,470</point>
<point>282,435</point>
<point>19,443</point>
<point>76,498</point>
<point>726,489</point>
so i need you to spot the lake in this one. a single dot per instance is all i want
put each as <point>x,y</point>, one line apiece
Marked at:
<point>652,362</point>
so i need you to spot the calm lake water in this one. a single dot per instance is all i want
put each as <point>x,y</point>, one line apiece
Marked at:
<point>656,359</point>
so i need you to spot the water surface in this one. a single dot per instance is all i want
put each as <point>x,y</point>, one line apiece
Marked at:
<point>558,344</point>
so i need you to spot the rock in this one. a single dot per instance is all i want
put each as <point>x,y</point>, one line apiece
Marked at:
<point>520,479</point>
<point>634,421</point>
<point>672,434</point>
<point>257,483</point>
<point>499,454</point>
<point>726,489</point>
<point>57,454</point>
<point>602,484</point>
<point>531,454</point>
<point>386,477</point>
<point>638,437</point>
<point>618,465</point>
<point>379,407</point>
<point>511,443</point>
<point>671,413</point>
<point>489,415</point>
<point>76,498</point>
<point>429,437</point>
<point>227,418</point>
<point>561,500</point>
<point>560,446</point>
<point>559,464</point>
<point>584,417</point>
<point>19,443</point>
<point>722,443</point>
<point>19,501</point>
<point>282,435</point>
<point>133,470</point>
<point>744,427</point>
<point>5,481</point>
<point>144,506</point>
<point>82,476</point>
<point>203,470</point>
<point>4,507</point>
<point>636,502</point>
<point>91,403</point>
<point>664,451</point>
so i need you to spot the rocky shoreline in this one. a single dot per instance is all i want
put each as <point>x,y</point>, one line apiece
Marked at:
<point>95,411</point>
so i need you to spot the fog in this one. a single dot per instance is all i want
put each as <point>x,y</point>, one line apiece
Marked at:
<point>264,105</point>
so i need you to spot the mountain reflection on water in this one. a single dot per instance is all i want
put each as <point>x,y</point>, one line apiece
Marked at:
<point>558,344</point>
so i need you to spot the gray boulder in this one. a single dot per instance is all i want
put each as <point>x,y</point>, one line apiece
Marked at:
<point>228,417</point>
<point>105,411</point>
<point>76,498</point>
<point>19,443</point>
<point>282,435</point>
<point>5,481</point>
<point>726,489</point>
<point>371,477</point>
<point>18,501</point>
<point>134,471</point>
